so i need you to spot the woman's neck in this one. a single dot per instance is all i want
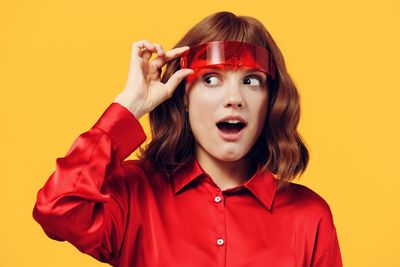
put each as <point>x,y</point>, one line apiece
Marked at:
<point>225,174</point>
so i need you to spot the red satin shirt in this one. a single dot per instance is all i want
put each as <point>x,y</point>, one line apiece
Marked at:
<point>127,214</point>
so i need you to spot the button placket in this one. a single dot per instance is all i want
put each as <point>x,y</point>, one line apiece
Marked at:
<point>219,202</point>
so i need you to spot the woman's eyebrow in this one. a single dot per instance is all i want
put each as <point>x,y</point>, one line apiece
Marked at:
<point>214,67</point>
<point>251,69</point>
<point>255,70</point>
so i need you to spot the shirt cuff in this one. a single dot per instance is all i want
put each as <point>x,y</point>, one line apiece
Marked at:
<point>123,127</point>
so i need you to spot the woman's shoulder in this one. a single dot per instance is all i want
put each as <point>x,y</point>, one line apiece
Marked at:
<point>133,166</point>
<point>140,167</point>
<point>139,172</point>
<point>305,200</point>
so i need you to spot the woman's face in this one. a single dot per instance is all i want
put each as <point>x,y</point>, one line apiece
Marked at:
<point>227,111</point>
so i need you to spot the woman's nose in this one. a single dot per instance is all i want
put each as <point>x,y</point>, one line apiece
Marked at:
<point>233,97</point>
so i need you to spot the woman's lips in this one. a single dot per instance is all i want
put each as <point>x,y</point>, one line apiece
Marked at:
<point>231,136</point>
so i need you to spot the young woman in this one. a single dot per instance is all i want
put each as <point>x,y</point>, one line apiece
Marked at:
<point>213,187</point>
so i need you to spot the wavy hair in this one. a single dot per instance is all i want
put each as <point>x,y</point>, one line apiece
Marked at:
<point>279,146</point>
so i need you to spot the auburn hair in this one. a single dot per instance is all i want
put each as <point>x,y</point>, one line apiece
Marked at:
<point>279,146</point>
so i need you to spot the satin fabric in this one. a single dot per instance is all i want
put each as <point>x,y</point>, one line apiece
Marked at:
<point>128,214</point>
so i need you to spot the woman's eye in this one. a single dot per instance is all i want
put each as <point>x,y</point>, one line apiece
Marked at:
<point>257,81</point>
<point>211,79</point>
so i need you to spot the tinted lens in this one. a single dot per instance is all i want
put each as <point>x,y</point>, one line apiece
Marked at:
<point>228,53</point>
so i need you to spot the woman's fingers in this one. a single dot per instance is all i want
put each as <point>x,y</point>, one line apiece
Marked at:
<point>137,46</point>
<point>168,56</point>
<point>146,53</point>
<point>160,50</point>
<point>175,79</point>
<point>145,49</point>
<point>143,90</point>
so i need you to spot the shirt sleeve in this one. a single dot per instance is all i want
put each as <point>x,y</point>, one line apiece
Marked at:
<point>326,249</point>
<point>82,201</point>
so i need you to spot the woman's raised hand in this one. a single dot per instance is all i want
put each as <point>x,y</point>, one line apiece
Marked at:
<point>144,90</point>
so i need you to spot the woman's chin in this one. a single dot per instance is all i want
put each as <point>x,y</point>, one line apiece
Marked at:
<point>226,152</point>
<point>229,157</point>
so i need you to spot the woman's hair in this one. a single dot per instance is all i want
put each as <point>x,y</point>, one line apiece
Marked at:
<point>279,147</point>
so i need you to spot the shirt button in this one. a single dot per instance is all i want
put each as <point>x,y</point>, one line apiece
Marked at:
<point>217,199</point>
<point>220,241</point>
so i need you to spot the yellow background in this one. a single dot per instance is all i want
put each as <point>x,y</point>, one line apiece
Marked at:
<point>63,62</point>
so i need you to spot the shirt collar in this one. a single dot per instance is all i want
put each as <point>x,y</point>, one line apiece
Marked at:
<point>262,184</point>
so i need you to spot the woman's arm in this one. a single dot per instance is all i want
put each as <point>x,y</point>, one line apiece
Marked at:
<point>326,251</point>
<point>84,201</point>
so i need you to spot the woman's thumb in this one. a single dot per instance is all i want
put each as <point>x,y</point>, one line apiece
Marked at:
<point>175,79</point>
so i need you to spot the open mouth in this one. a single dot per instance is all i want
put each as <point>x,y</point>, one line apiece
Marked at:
<point>231,126</point>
